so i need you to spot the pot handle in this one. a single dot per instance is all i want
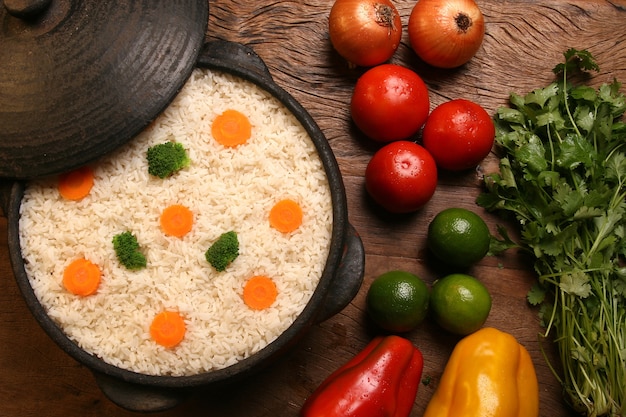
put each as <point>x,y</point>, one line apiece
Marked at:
<point>137,398</point>
<point>5,196</point>
<point>349,277</point>
<point>236,58</point>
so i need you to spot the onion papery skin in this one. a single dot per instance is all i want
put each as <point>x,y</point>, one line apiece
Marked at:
<point>365,32</point>
<point>436,36</point>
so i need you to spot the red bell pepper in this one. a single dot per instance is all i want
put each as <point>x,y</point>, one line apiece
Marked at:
<point>380,381</point>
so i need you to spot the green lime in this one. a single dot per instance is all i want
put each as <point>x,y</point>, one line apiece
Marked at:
<point>397,301</point>
<point>458,236</point>
<point>460,303</point>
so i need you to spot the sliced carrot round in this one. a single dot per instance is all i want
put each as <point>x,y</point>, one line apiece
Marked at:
<point>176,220</point>
<point>82,277</point>
<point>286,216</point>
<point>77,184</point>
<point>259,292</point>
<point>231,128</point>
<point>168,329</point>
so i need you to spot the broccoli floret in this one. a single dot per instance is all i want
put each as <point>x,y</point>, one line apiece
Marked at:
<point>223,251</point>
<point>166,158</point>
<point>127,251</point>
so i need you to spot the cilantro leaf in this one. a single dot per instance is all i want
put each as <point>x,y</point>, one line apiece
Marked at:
<point>576,283</point>
<point>577,60</point>
<point>499,245</point>
<point>536,295</point>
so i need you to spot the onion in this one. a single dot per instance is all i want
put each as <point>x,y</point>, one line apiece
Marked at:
<point>365,32</point>
<point>446,33</point>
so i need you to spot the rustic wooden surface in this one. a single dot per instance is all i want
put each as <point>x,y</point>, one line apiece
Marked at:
<point>524,40</point>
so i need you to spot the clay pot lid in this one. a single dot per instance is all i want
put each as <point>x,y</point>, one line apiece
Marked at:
<point>80,78</point>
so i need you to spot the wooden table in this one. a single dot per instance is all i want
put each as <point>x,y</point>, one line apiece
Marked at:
<point>524,40</point>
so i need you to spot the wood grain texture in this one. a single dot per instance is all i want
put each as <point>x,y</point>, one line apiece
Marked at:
<point>524,40</point>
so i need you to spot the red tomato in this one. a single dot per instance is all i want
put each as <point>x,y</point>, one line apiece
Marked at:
<point>401,177</point>
<point>458,134</point>
<point>389,102</point>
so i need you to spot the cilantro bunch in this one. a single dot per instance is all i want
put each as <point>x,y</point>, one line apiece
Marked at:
<point>562,176</point>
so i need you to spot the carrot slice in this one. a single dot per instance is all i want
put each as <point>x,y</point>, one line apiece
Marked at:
<point>168,329</point>
<point>81,277</point>
<point>231,128</point>
<point>176,220</point>
<point>286,216</point>
<point>259,292</point>
<point>75,185</point>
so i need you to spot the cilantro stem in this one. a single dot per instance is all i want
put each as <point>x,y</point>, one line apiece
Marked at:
<point>566,103</point>
<point>552,153</point>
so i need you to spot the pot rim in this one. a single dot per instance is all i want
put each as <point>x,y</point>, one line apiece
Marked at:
<point>306,318</point>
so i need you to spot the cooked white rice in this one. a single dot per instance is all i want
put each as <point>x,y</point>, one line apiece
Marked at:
<point>227,189</point>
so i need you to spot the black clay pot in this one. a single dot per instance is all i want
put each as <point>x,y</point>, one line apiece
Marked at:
<point>340,281</point>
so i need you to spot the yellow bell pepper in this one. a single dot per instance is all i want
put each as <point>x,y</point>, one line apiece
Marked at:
<point>489,374</point>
